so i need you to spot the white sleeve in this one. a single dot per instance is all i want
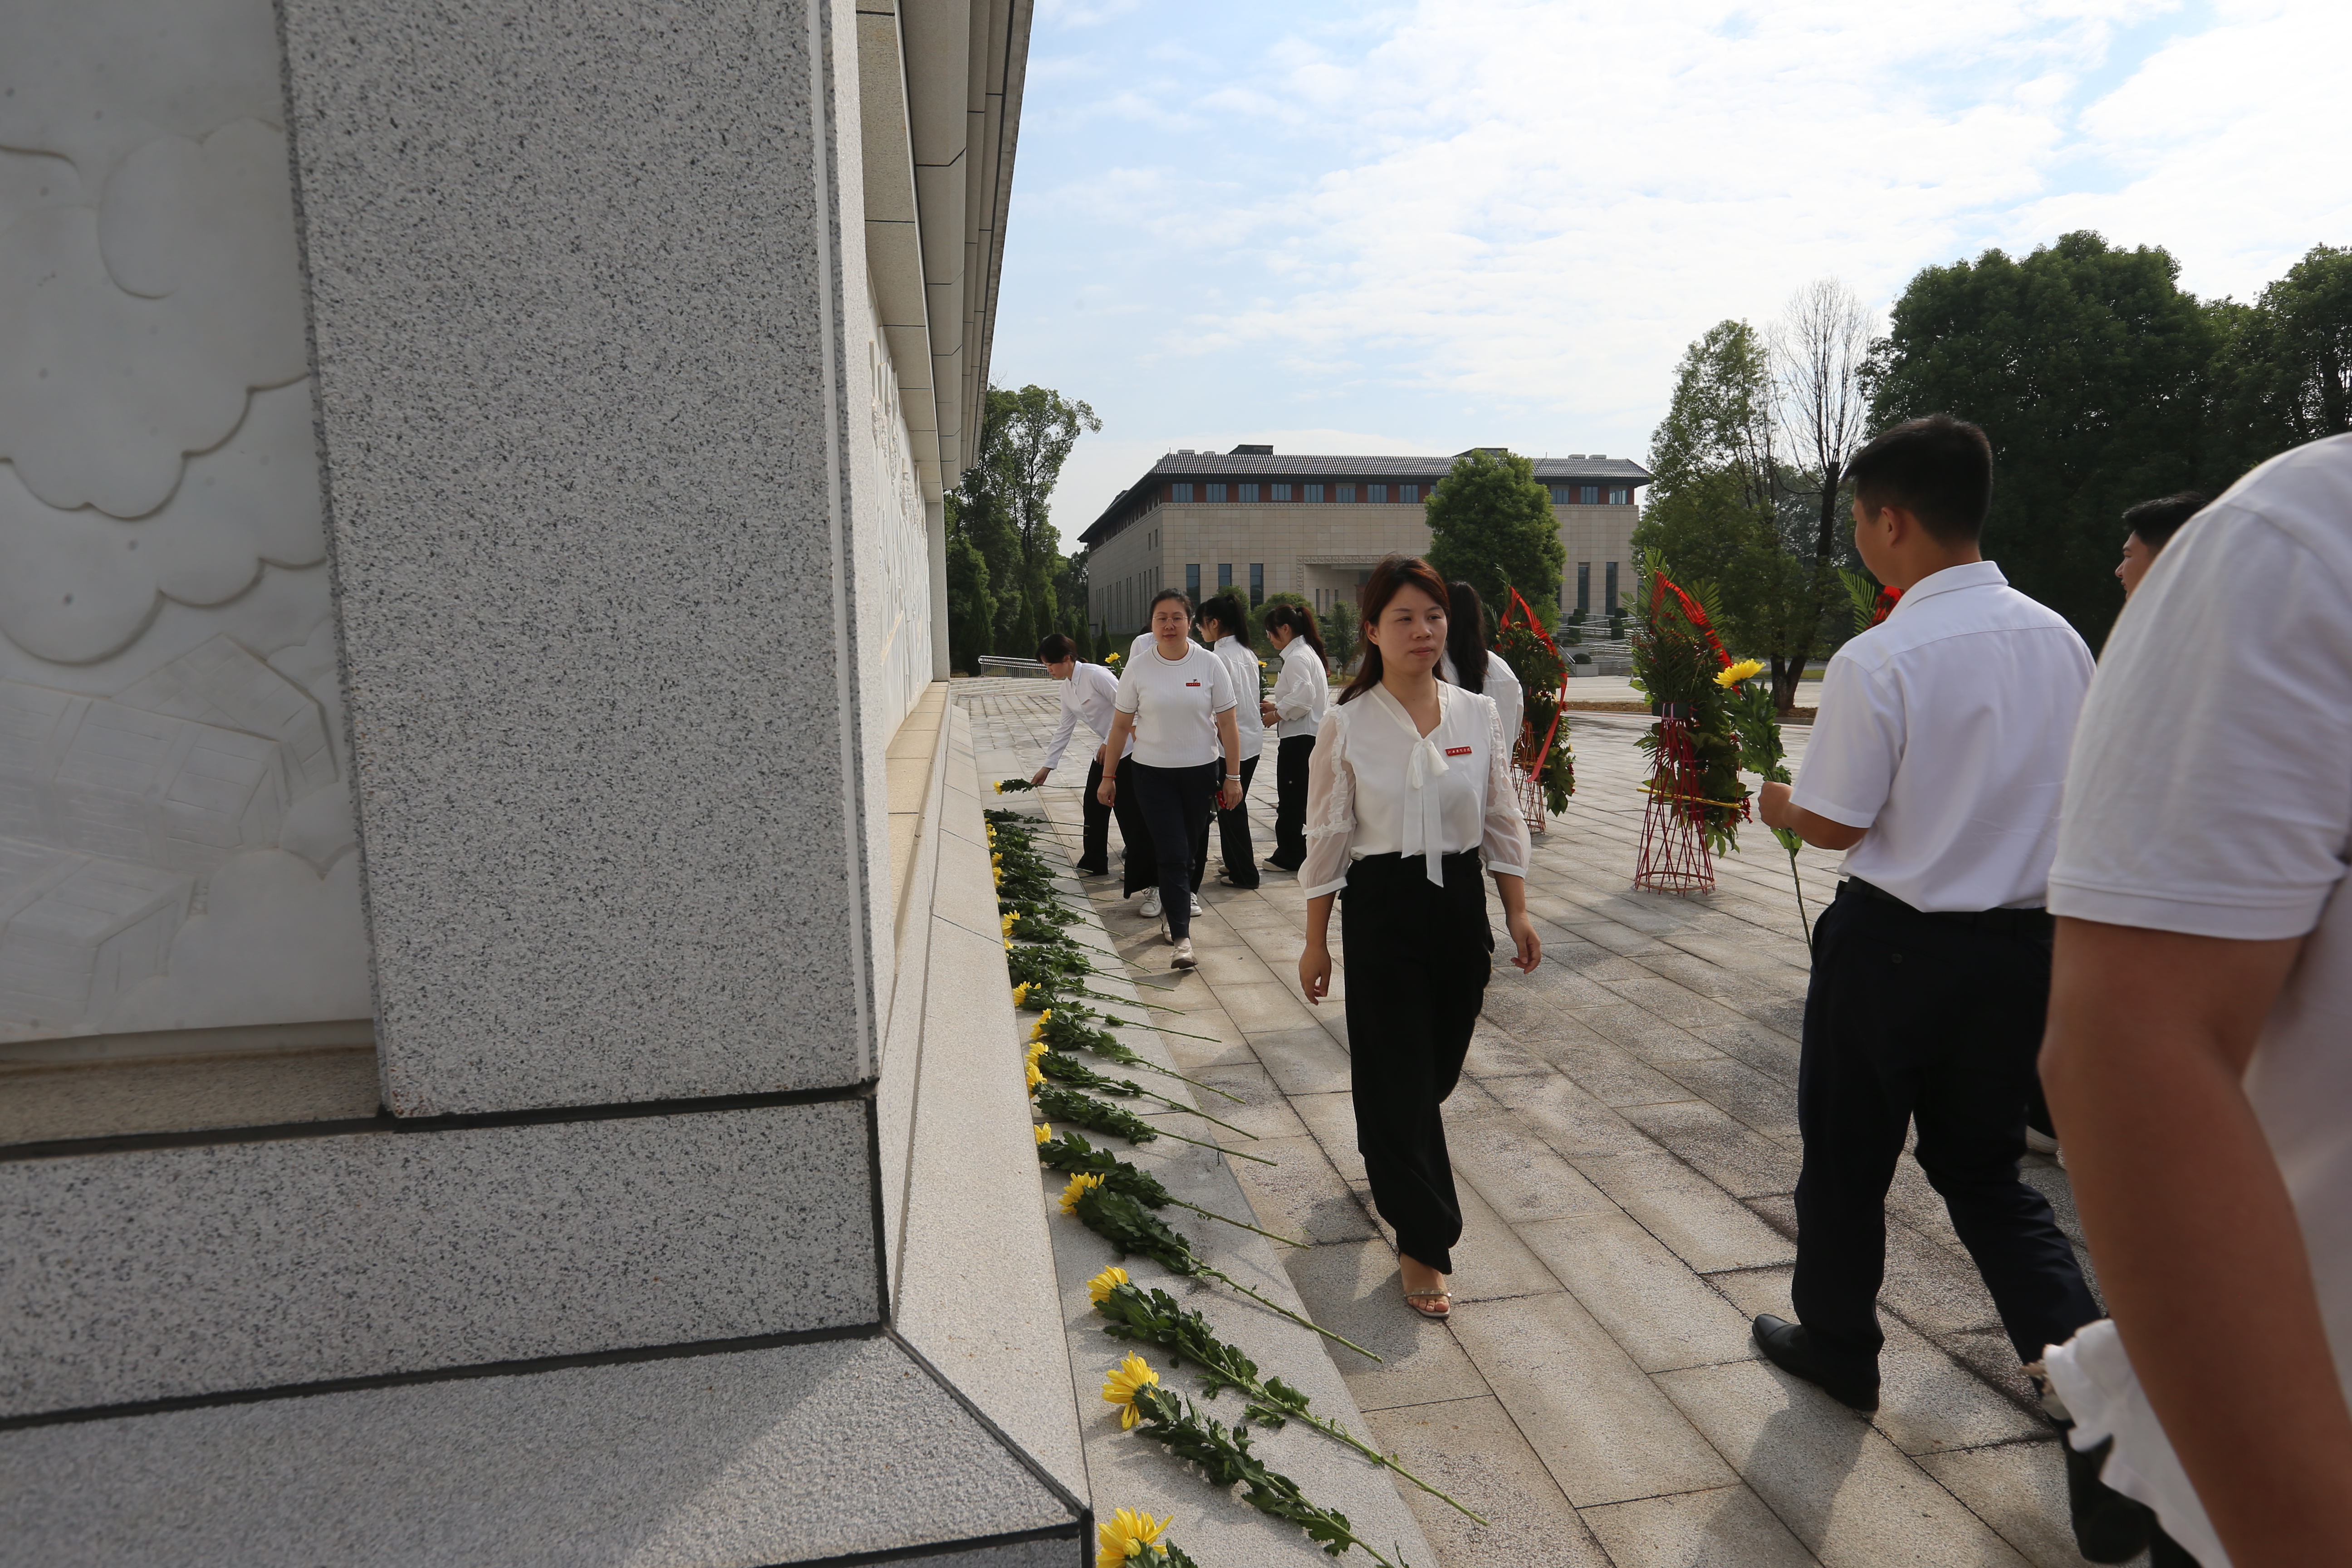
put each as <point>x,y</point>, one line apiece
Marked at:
<point>1503,685</point>
<point>1330,809</point>
<point>1130,691</point>
<point>1061,741</point>
<point>1504,841</point>
<point>1221,686</point>
<point>1856,744</point>
<point>2208,791</point>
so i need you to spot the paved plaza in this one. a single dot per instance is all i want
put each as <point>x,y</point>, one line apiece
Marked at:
<point>1625,1140</point>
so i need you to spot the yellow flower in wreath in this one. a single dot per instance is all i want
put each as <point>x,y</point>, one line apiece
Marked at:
<point>1121,1387</point>
<point>1128,1535</point>
<point>1080,1186</point>
<point>1731,675</point>
<point>1045,1131</point>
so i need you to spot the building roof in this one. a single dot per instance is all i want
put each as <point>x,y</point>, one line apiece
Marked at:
<point>1263,463</point>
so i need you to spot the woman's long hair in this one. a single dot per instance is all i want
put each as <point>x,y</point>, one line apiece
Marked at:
<point>1394,572</point>
<point>1299,621</point>
<point>1465,636</point>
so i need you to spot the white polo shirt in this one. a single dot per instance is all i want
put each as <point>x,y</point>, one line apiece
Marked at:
<point>1944,731</point>
<point>1088,696</point>
<point>2212,795</point>
<point>1175,703</point>
<point>1242,664</point>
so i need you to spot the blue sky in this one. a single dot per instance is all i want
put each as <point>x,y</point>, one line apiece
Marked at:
<point>1417,227</point>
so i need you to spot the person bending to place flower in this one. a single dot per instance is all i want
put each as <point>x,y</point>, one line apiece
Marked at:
<point>1408,789</point>
<point>1177,700</point>
<point>1301,696</point>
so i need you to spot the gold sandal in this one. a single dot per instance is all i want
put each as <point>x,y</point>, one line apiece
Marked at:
<point>1414,1298</point>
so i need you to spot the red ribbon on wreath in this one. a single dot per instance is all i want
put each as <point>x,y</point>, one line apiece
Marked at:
<point>1665,584</point>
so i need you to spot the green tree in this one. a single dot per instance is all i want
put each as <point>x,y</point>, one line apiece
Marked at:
<point>1491,526</point>
<point>1340,633</point>
<point>2090,370</point>
<point>1005,503</point>
<point>2283,364</point>
<point>972,609</point>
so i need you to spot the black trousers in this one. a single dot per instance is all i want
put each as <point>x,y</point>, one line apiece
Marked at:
<point>1930,1018</point>
<point>1141,868</point>
<point>1094,845</point>
<point>1233,837</point>
<point>1175,804</point>
<point>1418,957</point>
<point>1290,801</point>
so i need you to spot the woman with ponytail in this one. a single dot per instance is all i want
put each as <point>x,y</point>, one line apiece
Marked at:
<point>1302,693</point>
<point>1408,790</point>
<point>1471,665</point>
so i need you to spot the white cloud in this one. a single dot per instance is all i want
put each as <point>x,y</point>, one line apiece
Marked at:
<point>1504,222</point>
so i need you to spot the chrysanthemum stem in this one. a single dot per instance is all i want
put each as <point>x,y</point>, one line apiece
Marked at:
<point>1276,1306</point>
<point>1180,1105</point>
<point>1237,1224</point>
<point>1220,1148</point>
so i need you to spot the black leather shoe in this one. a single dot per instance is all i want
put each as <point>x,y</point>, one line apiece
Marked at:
<point>2108,1526</point>
<point>1785,1346</point>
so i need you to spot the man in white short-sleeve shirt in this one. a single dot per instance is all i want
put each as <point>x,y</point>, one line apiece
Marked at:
<point>1935,761</point>
<point>2199,1050</point>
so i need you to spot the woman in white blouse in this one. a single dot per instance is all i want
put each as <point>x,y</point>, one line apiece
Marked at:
<point>1176,699</point>
<point>1471,665</point>
<point>1301,696</point>
<point>1408,785</point>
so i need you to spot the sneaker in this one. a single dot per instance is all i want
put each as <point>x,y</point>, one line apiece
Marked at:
<point>1183,956</point>
<point>1196,903</point>
<point>2039,1142</point>
<point>1151,905</point>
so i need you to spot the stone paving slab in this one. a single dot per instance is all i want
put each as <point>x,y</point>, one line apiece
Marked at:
<point>1624,1136</point>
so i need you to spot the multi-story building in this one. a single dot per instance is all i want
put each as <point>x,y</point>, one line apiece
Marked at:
<point>1261,524</point>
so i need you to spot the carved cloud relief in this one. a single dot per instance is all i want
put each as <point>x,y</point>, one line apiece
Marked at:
<point>176,822</point>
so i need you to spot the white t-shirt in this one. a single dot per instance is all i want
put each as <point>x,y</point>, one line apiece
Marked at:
<point>2212,795</point>
<point>1503,685</point>
<point>1944,731</point>
<point>1175,703</point>
<point>1377,786</point>
<point>1088,695</point>
<point>1242,664</point>
<point>1302,693</point>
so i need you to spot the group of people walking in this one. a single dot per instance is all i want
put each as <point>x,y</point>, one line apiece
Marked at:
<point>2095,903</point>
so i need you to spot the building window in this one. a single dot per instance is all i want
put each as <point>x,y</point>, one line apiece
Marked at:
<point>1217,491</point>
<point>1620,495</point>
<point>1408,492</point>
<point>1590,495</point>
<point>1346,492</point>
<point>1257,583</point>
<point>1249,492</point>
<point>1281,492</point>
<point>1376,493</point>
<point>1584,587</point>
<point>1314,493</point>
<point>1179,492</point>
<point>1224,576</point>
<point>1609,586</point>
<point>1192,581</point>
<point>1560,495</point>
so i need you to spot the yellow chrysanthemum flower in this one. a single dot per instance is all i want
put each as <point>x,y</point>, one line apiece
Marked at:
<point>1044,1131</point>
<point>1036,1049</point>
<point>1021,994</point>
<point>1080,1186</point>
<point>1119,1388</point>
<point>1128,1535</point>
<point>1731,675</point>
<point>1036,1081</point>
<point>1100,1287</point>
<point>1007,923</point>
<point>998,787</point>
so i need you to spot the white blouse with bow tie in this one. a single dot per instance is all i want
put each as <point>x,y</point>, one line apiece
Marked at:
<point>1377,786</point>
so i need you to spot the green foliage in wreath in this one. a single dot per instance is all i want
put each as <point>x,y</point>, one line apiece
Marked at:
<point>1539,671</point>
<point>1676,658</point>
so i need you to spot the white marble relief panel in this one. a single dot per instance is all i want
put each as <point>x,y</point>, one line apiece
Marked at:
<point>175,819</point>
<point>899,532</point>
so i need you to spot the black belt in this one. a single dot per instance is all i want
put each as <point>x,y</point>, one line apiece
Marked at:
<point>2029,922</point>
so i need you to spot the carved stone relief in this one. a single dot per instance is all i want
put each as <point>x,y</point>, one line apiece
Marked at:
<point>175,819</point>
<point>900,531</point>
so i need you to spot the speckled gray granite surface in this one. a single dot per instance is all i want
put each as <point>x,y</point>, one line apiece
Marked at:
<point>779,1456</point>
<point>574,285</point>
<point>171,1272</point>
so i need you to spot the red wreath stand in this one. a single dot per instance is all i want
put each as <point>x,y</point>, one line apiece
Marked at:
<point>1673,858</point>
